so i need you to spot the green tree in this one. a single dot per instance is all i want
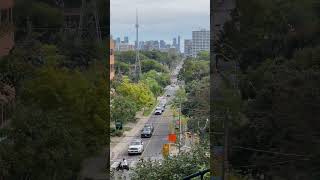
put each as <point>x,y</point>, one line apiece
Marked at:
<point>136,92</point>
<point>59,120</point>
<point>123,109</point>
<point>176,167</point>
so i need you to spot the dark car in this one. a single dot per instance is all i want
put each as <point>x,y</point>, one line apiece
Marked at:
<point>146,132</point>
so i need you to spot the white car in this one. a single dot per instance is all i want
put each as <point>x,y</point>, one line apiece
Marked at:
<point>158,111</point>
<point>136,147</point>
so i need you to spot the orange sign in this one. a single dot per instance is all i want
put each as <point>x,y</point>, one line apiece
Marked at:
<point>172,138</point>
<point>165,150</point>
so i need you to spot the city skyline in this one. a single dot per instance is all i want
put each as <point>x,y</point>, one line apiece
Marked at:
<point>159,20</point>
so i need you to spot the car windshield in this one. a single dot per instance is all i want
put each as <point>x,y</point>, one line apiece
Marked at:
<point>135,143</point>
<point>158,108</point>
<point>146,129</point>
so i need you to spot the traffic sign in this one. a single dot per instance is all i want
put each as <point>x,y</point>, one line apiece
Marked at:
<point>165,150</point>
<point>172,138</point>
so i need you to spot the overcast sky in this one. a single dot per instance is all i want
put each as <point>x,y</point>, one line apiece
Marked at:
<point>159,19</point>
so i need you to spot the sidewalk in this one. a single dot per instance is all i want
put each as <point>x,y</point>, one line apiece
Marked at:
<point>117,144</point>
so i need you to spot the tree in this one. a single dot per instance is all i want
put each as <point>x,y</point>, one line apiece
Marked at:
<point>123,109</point>
<point>176,167</point>
<point>59,120</point>
<point>163,79</point>
<point>138,93</point>
<point>148,65</point>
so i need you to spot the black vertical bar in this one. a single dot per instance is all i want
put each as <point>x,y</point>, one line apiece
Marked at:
<point>108,38</point>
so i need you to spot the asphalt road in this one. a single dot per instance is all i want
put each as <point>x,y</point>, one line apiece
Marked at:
<point>153,145</point>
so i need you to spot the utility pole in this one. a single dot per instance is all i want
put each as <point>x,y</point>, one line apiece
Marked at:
<point>180,128</point>
<point>137,65</point>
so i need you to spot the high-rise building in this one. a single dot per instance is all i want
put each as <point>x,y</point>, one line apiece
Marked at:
<point>126,39</point>
<point>188,47</point>
<point>141,44</point>
<point>118,40</point>
<point>126,47</point>
<point>200,41</point>
<point>155,45</point>
<point>6,27</point>
<point>112,49</point>
<point>178,44</point>
<point>162,44</point>
<point>174,42</point>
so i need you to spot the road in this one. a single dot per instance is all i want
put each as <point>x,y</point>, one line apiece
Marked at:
<point>153,145</point>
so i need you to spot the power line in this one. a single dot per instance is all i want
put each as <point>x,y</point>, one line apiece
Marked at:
<point>271,164</point>
<point>270,152</point>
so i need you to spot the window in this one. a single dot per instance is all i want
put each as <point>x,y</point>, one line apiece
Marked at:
<point>111,52</point>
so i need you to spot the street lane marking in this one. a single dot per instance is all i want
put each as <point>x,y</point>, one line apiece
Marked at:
<point>158,124</point>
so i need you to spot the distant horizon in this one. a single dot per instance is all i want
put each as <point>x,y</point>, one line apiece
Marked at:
<point>159,20</point>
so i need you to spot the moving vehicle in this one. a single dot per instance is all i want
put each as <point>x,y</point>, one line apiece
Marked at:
<point>121,167</point>
<point>149,125</point>
<point>158,112</point>
<point>135,147</point>
<point>146,132</point>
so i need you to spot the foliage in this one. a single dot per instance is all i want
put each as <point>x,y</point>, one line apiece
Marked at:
<point>194,70</point>
<point>123,109</point>
<point>204,55</point>
<point>278,49</point>
<point>148,65</point>
<point>176,167</point>
<point>51,139</point>
<point>136,92</point>
<point>163,79</point>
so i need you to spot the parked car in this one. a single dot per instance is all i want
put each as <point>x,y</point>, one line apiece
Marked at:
<point>146,132</point>
<point>135,147</point>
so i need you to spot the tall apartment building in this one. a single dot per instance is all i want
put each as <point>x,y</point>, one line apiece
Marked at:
<point>200,41</point>
<point>188,47</point>
<point>126,47</point>
<point>112,50</point>
<point>174,42</point>
<point>126,39</point>
<point>155,45</point>
<point>162,44</point>
<point>141,45</point>
<point>6,27</point>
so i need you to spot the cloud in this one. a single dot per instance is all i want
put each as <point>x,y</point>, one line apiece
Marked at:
<point>163,18</point>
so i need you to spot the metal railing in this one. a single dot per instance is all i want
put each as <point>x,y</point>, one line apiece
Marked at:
<point>201,174</point>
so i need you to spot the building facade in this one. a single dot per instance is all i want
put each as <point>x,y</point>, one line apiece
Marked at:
<point>112,50</point>
<point>6,27</point>
<point>126,39</point>
<point>200,41</point>
<point>162,44</point>
<point>188,47</point>
<point>174,42</point>
<point>126,47</point>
